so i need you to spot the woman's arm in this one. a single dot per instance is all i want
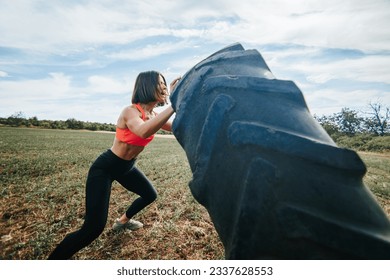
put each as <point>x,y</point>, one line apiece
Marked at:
<point>167,126</point>
<point>147,128</point>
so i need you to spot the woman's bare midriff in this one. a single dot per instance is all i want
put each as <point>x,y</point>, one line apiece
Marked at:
<point>126,151</point>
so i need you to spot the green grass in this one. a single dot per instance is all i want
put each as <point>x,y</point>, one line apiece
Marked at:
<point>42,178</point>
<point>378,176</point>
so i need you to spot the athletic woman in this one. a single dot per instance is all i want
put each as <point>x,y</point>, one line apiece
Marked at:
<point>136,127</point>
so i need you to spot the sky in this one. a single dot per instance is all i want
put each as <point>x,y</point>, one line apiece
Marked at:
<point>79,59</point>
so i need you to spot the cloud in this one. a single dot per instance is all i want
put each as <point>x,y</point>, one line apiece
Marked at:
<point>59,86</point>
<point>147,51</point>
<point>71,25</point>
<point>334,24</point>
<point>369,68</point>
<point>54,95</point>
<point>101,84</point>
<point>85,54</point>
<point>332,79</point>
<point>329,101</point>
<point>320,65</point>
<point>53,87</point>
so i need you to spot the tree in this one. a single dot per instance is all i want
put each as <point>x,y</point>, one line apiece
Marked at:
<point>17,119</point>
<point>34,121</point>
<point>328,123</point>
<point>74,124</point>
<point>348,121</point>
<point>378,123</point>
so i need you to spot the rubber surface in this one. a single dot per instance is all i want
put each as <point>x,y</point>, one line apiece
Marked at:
<point>274,183</point>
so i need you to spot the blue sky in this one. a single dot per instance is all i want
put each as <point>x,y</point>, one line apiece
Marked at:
<point>79,59</point>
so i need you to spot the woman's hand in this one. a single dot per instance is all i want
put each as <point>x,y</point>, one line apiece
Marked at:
<point>174,83</point>
<point>166,93</point>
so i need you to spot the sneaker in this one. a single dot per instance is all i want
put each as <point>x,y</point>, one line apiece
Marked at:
<point>131,225</point>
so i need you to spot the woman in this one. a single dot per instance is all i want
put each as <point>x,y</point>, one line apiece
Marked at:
<point>136,127</point>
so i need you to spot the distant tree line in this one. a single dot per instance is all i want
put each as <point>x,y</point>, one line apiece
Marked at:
<point>350,122</point>
<point>363,131</point>
<point>19,120</point>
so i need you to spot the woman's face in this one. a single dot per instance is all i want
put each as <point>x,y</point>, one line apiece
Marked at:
<point>162,89</point>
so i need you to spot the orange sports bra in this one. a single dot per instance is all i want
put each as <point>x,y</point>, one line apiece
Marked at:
<point>127,136</point>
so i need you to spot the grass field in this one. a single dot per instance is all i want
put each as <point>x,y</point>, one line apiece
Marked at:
<point>42,177</point>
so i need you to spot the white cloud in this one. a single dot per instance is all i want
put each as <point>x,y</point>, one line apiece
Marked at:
<point>320,65</point>
<point>100,35</point>
<point>335,24</point>
<point>320,78</point>
<point>55,97</point>
<point>364,69</point>
<point>333,79</point>
<point>148,51</point>
<point>346,24</point>
<point>53,87</point>
<point>101,84</point>
<point>327,102</point>
<point>59,86</point>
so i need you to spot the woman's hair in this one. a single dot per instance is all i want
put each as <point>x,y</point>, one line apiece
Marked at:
<point>146,88</point>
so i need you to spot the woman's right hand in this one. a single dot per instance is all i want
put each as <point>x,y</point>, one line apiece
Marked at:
<point>173,84</point>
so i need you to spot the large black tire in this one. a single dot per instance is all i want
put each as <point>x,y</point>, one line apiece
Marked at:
<point>274,183</point>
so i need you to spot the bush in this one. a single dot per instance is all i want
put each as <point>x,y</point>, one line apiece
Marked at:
<point>378,144</point>
<point>364,142</point>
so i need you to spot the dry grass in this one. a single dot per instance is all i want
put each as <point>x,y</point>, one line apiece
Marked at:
<point>42,177</point>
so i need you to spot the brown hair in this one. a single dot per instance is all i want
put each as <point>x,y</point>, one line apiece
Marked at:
<point>146,88</point>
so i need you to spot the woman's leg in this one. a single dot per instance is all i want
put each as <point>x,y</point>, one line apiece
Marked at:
<point>135,181</point>
<point>98,191</point>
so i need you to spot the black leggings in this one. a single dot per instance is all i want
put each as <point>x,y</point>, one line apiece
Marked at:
<point>107,168</point>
